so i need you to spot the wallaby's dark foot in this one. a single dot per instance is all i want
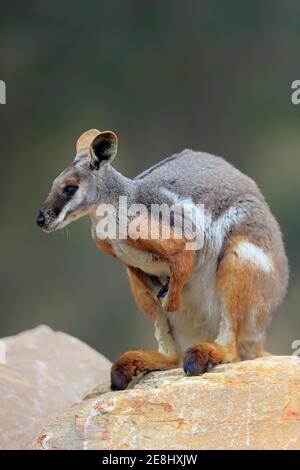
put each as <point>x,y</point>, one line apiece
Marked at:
<point>133,363</point>
<point>202,357</point>
<point>120,378</point>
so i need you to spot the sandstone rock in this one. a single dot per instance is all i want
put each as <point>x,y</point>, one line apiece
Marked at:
<point>249,405</point>
<point>45,372</point>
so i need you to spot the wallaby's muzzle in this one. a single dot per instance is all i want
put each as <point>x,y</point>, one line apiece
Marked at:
<point>40,220</point>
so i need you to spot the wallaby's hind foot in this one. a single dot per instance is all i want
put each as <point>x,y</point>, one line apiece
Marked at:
<point>202,357</point>
<point>133,363</point>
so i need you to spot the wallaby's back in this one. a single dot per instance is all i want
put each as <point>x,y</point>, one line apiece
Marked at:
<point>212,181</point>
<point>205,178</point>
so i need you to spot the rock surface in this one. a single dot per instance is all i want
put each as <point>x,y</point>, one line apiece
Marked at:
<point>45,372</point>
<point>248,405</point>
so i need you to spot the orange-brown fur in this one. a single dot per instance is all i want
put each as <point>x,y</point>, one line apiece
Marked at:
<point>180,260</point>
<point>106,247</point>
<point>71,181</point>
<point>142,292</point>
<point>241,286</point>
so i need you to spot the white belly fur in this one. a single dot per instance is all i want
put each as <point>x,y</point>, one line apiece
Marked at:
<point>198,317</point>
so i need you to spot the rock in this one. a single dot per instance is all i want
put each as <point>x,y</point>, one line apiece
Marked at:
<point>248,405</point>
<point>45,372</point>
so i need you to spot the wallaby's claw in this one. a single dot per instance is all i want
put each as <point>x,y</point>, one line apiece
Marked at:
<point>163,291</point>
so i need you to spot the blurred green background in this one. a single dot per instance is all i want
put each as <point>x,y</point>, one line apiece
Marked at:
<point>214,76</point>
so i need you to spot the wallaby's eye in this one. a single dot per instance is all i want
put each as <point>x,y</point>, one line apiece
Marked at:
<point>70,189</point>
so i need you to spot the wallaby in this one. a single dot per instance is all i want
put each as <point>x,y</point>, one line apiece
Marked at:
<point>216,301</point>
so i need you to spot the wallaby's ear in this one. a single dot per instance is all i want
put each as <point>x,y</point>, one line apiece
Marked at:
<point>84,142</point>
<point>103,148</point>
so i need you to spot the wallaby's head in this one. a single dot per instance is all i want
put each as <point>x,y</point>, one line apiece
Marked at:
<point>77,189</point>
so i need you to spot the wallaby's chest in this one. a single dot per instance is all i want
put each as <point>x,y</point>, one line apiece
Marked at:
<point>128,254</point>
<point>148,262</point>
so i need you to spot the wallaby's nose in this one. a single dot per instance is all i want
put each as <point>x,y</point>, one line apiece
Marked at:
<point>40,220</point>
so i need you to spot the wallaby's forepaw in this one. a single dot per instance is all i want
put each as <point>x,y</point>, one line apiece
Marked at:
<point>134,364</point>
<point>121,373</point>
<point>130,365</point>
<point>202,357</point>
